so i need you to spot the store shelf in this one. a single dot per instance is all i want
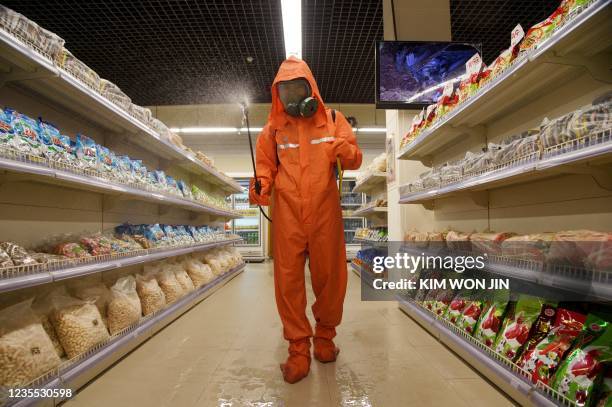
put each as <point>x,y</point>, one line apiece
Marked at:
<point>36,169</point>
<point>41,77</point>
<point>369,241</point>
<point>581,43</point>
<point>20,277</point>
<point>79,371</point>
<point>372,181</point>
<point>371,211</point>
<point>501,371</point>
<point>574,156</point>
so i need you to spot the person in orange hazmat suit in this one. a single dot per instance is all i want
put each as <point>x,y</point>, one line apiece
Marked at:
<point>297,153</point>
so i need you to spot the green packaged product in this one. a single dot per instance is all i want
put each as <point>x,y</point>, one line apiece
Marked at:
<point>470,316</point>
<point>605,393</point>
<point>516,327</point>
<point>456,307</point>
<point>490,322</point>
<point>584,367</point>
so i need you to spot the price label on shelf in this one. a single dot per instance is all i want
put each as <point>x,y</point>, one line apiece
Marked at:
<point>473,65</point>
<point>516,36</point>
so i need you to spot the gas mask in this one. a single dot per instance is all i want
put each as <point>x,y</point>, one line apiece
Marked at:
<point>296,97</point>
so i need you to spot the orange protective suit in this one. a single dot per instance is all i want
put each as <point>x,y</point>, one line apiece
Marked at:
<point>298,156</point>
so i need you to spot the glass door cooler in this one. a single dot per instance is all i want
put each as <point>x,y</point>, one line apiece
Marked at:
<point>350,202</point>
<point>249,227</point>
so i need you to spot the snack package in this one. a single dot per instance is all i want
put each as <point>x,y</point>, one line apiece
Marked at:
<point>470,82</point>
<point>470,316</point>
<point>605,392</point>
<point>200,273</point>
<point>152,298</point>
<point>539,329</point>
<point>86,152</point>
<point>105,161</point>
<point>533,247</point>
<point>124,307</point>
<point>442,301</point>
<point>458,241</point>
<point>489,242</point>
<point>172,185</point>
<point>18,254</point>
<point>5,259</point>
<point>78,324</point>
<point>140,171</point>
<point>26,352</point>
<point>71,250</point>
<point>50,138</point>
<point>541,358</point>
<point>490,323</point>
<point>169,284</point>
<point>126,174</point>
<point>170,234</point>
<point>576,247</point>
<point>185,190</point>
<point>96,293</point>
<point>97,244</point>
<point>7,136</point>
<point>456,307</point>
<point>25,130</point>
<point>160,178</point>
<point>542,30</point>
<point>43,308</point>
<point>583,367</point>
<point>516,327</point>
<point>183,278</point>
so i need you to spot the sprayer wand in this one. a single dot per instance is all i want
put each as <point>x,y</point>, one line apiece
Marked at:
<point>245,119</point>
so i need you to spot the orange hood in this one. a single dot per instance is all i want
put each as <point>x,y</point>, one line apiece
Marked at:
<point>293,68</point>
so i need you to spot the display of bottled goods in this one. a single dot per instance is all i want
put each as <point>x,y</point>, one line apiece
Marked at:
<point>40,333</point>
<point>249,237</point>
<point>579,248</point>
<point>41,142</point>
<point>478,76</point>
<point>375,235</point>
<point>552,135</point>
<point>379,164</point>
<point>51,46</point>
<point>124,238</point>
<point>352,224</point>
<point>566,346</point>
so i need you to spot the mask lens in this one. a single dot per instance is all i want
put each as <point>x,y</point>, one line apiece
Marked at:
<point>293,91</point>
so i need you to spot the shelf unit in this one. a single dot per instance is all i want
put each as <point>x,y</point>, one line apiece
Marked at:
<point>370,182</point>
<point>501,371</point>
<point>28,276</point>
<point>38,75</point>
<point>371,211</point>
<point>563,187</point>
<point>579,44</point>
<point>75,373</point>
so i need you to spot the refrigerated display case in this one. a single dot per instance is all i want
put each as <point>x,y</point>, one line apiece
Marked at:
<point>350,201</point>
<point>249,227</point>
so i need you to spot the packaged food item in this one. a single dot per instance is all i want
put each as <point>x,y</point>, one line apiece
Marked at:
<point>470,316</point>
<point>470,82</point>
<point>539,329</point>
<point>541,357</point>
<point>79,70</point>
<point>18,254</point>
<point>26,352</point>
<point>169,284</point>
<point>152,297</point>
<point>86,152</point>
<point>458,241</point>
<point>583,367</point>
<point>574,247</point>
<point>113,93</point>
<point>542,30</point>
<point>126,174</point>
<point>51,144</point>
<point>516,326</point>
<point>140,171</point>
<point>124,307</point>
<point>71,250</point>
<point>456,307</point>
<point>97,244</point>
<point>533,247</point>
<point>7,136</point>
<point>141,113</point>
<point>172,185</point>
<point>200,273</point>
<point>43,309</point>
<point>475,163</point>
<point>25,130</point>
<point>183,278</point>
<point>36,37</point>
<point>605,392</point>
<point>489,242</point>
<point>490,321</point>
<point>78,324</point>
<point>185,190</point>
<point>441,302</point>
<point>105,161</point>
<point>97,294</point>
<point>43,258</point>
<point>5,259</point>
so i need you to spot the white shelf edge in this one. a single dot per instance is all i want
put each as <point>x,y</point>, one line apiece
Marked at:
<point>370,182</point>
<point>85,369</point>
<point>44,277</point>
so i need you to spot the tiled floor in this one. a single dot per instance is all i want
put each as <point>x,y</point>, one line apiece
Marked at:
<point>226,351</point>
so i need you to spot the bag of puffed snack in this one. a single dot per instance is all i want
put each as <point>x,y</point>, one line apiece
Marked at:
<point>151,295</point>
<point>124,307</point>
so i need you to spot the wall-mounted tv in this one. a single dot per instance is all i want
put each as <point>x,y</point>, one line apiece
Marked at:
<point>412,74</point>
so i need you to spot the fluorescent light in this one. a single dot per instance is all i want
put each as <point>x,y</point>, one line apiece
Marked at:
<point>370,130</point>
<point>292,27</point>
<point>195,130</point>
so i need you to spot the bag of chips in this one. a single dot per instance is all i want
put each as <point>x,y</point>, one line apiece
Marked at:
<point>516,326</point>
<point>86,152</point>
<point>18,254</point>
<point>539,329</point>
<point>151,295</point>
<point>490,322</point>
<point>25,130</point>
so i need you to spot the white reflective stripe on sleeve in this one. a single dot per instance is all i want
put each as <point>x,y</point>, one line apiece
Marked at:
<point>322,140</point>
<point>288,145</point>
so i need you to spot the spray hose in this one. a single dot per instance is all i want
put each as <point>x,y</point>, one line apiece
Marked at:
<point>340,176</point>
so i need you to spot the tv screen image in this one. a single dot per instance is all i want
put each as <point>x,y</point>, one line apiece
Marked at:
<point>412,74</point>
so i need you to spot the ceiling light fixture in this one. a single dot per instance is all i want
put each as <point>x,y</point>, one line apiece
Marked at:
<point>292,27</point>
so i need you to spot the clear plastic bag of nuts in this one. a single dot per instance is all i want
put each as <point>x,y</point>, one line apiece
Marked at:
<point>124,307</point>
<point>152,297</point>
<point>26,351</point>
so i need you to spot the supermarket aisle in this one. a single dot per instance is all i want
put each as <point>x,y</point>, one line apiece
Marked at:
<point>226,351</point>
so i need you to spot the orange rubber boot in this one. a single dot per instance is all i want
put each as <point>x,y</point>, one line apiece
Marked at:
<point>325,350</point>
<point>297,365</point>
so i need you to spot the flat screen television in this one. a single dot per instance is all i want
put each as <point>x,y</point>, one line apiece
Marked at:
<point>412,74</point>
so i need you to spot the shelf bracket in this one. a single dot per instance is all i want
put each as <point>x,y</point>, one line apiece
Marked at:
<point>598,66</point>
<point>601,174</point>
<point>426,160</point>
<point>429,205</point>
<point>480,198</point>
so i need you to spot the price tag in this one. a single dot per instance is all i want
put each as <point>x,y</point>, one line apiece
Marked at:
<point>516,36</point>
<point>473,65</point>
<point>448,89</point>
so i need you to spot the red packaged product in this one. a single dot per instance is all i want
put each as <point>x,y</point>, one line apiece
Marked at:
<point>71,250</point>
<point>489,242</point>
<point>541,359</point>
